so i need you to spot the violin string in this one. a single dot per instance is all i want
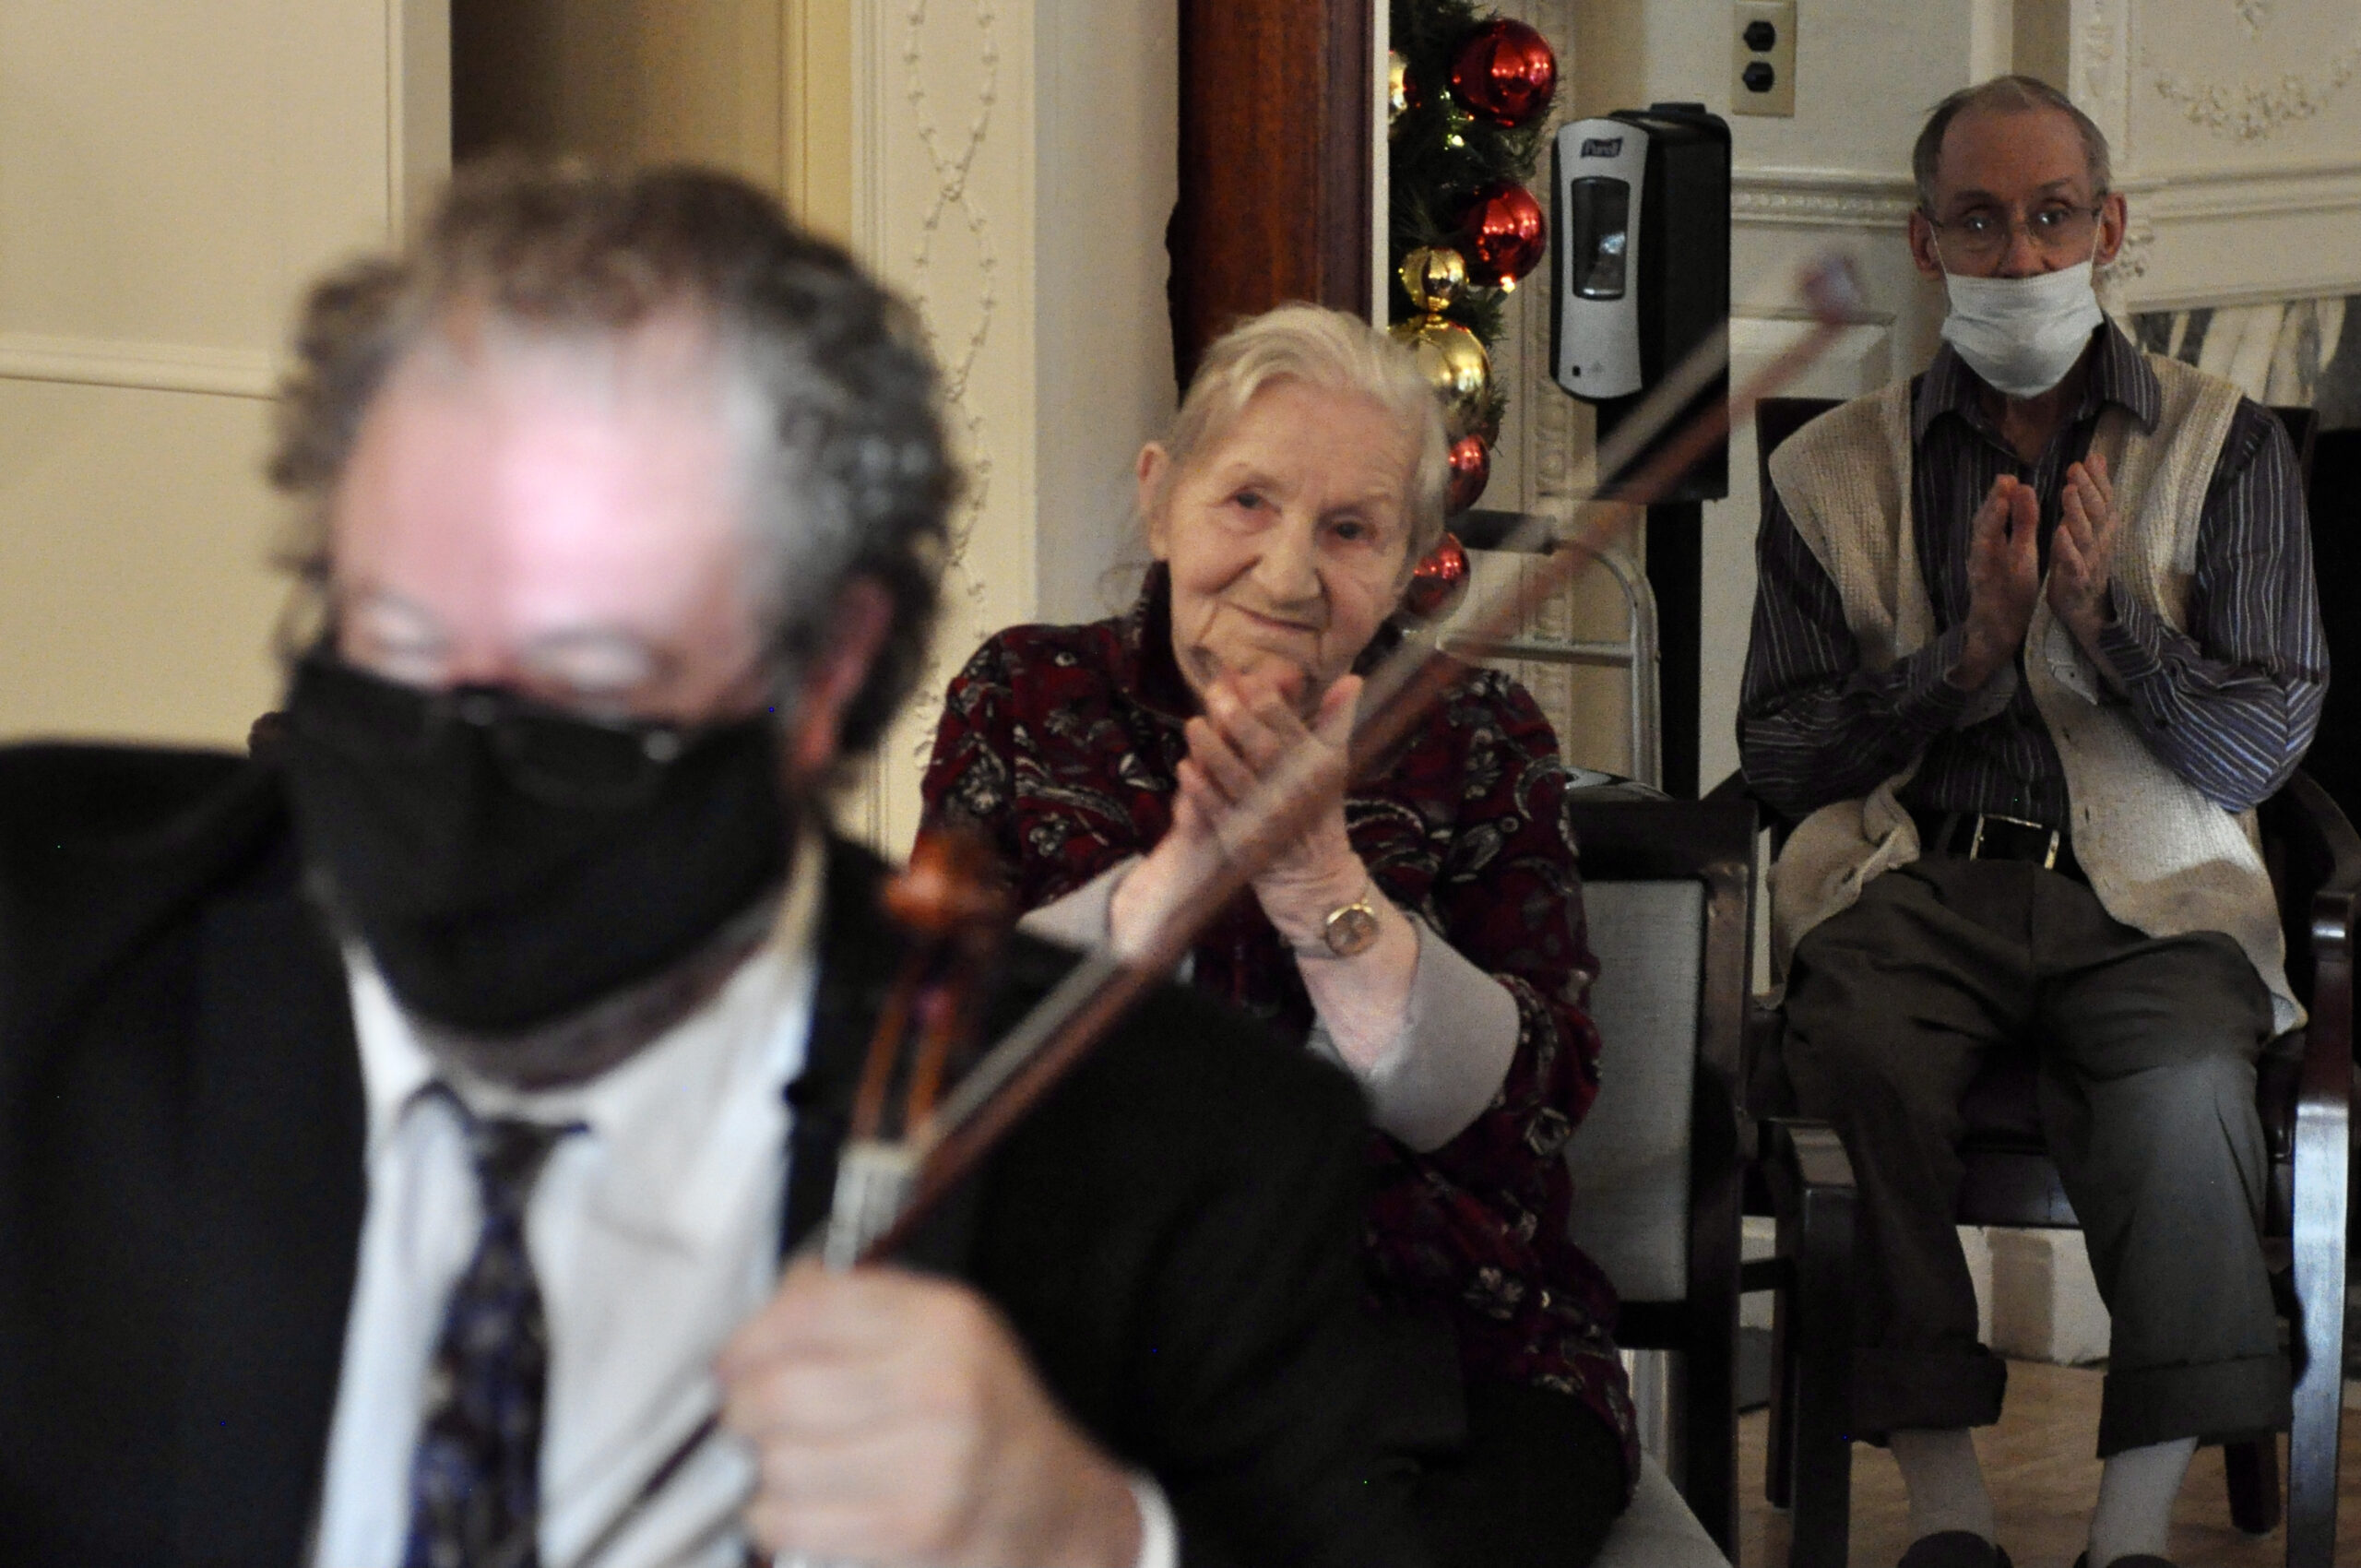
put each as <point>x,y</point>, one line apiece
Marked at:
<point>1060,1028</point>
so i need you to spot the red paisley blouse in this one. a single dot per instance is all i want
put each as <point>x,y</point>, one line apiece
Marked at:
<point>1060,743</point>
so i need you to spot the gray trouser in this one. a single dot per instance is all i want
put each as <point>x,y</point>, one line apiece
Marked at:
<point>2146,1050</point>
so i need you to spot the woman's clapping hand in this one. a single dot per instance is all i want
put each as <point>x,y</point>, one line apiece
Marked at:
<point>1251,736</point>
<point>1249,740</point>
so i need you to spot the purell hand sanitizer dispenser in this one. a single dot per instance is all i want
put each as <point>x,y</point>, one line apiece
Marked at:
<point>1643,268</point>
<point>1642,277</point>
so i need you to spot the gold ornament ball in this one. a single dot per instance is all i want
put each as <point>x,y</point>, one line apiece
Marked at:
<point>1433,276</point>
<point>1454,363</point>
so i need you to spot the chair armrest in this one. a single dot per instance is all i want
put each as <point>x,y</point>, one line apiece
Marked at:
<point>1812,1192</point>
<point>2323,1137</point>
<point>1803,1158</point>
<point>2316,858</point>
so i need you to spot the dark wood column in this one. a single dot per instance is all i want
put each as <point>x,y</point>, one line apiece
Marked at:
<point>1274,163</point>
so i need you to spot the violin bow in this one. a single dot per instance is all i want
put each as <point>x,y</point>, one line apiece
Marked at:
<point>887,1188</point>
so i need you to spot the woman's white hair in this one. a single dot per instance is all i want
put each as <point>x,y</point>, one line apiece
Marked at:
<point>1329,350</point>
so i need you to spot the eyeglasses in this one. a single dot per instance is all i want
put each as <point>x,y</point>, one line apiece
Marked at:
<point>1986,236</point>
<point>562,758</point>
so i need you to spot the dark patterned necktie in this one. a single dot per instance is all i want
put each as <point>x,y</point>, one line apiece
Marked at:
<point>475,1482</point>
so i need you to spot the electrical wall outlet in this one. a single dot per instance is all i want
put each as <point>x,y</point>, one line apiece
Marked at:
<point>1762,58</point>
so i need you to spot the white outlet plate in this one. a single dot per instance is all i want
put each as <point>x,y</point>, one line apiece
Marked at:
<point>1779,97</point>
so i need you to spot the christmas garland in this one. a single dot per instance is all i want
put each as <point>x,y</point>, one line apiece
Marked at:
<point>1469,91</point>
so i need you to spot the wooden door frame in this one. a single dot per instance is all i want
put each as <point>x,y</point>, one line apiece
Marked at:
<point>1275,163</point>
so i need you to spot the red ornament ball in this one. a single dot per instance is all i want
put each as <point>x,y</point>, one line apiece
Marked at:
<point>1505,73</point>
<point>1471,470</point>
<point>1438,580</point>
<point>1503,234</point>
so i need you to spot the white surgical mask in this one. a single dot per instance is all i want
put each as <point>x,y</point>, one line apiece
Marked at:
<point>2022,334</point>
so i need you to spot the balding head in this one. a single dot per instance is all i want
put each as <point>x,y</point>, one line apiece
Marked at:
<point>2005,96</point>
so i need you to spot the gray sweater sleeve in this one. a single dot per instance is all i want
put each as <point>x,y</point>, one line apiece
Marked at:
<point>1442,1069</point>
<point>1433,1078</point>
<point>1081,919</point>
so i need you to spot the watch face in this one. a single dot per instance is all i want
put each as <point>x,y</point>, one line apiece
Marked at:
<point>1351,930</point>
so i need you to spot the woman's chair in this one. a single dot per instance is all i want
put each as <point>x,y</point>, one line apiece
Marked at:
<point>2304,1093</point>
<point>1668,890</point>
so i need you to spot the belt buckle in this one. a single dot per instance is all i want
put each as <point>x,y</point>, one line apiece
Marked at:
<point>1976,842</point>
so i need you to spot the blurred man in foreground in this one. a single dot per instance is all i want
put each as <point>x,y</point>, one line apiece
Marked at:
<point>400,1131</point>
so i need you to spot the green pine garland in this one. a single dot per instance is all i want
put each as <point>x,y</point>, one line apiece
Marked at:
<point>1432,180</point>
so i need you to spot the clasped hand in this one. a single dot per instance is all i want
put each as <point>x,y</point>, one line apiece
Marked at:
<point>894,1419</point>
<point>1249,735</point>
<point>2004,571</point>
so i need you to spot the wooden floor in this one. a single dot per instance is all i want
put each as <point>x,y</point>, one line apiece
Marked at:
<point>2043,1479</point>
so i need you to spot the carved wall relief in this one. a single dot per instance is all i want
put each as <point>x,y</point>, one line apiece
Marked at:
<point>2248,110</point>
<point>943,210</point>
<point>2235,128</point>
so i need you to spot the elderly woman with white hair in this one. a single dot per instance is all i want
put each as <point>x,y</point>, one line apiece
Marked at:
<point>1425,931</point>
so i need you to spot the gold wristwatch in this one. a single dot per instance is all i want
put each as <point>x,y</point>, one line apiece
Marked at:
<point>1351,930</point>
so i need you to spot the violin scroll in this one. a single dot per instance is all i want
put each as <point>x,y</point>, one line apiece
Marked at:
<point>951,888</point>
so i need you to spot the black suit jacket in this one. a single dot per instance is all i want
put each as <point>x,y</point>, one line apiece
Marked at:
<point>1171,1235</point>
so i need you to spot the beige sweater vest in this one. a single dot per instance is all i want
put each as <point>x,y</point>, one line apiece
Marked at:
<point>2160,855</point>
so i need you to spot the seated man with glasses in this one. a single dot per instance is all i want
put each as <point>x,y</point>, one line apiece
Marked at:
<point>2036,630</point>
<point>401,1130</point>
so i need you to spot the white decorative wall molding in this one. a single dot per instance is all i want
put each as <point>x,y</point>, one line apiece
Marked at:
<point>2172,293</point>
<point>2245,193</point>
<point>1821,198</point>
<point>2239,236</point>
<point>2098,66</point>
<point>2236,132</point>
<point>2131,262</point>
<point>951,152</point>
<point>944,211</point>
<point>2248,110</point>
<point>155,367</point>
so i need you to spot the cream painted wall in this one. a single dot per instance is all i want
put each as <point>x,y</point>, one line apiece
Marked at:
<point>169,178</point>
<point>1015,168</point>
<point>1108,132</point>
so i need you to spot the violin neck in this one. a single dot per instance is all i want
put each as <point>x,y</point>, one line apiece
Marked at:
<point>875,1178</point>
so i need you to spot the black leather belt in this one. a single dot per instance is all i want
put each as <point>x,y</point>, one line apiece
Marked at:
<point>1981,835</point>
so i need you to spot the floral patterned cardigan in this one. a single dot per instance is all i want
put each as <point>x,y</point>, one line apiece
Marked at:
<point>1060,743</point>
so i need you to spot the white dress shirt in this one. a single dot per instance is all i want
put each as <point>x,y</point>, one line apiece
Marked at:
<point>653,1233</point>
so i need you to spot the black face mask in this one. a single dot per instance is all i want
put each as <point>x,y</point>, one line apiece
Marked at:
<point>510,865</point>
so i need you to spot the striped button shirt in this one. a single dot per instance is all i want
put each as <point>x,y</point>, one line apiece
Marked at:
<point>2230,707</point>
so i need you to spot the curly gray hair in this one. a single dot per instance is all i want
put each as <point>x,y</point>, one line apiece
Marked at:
<point>851,478</point>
